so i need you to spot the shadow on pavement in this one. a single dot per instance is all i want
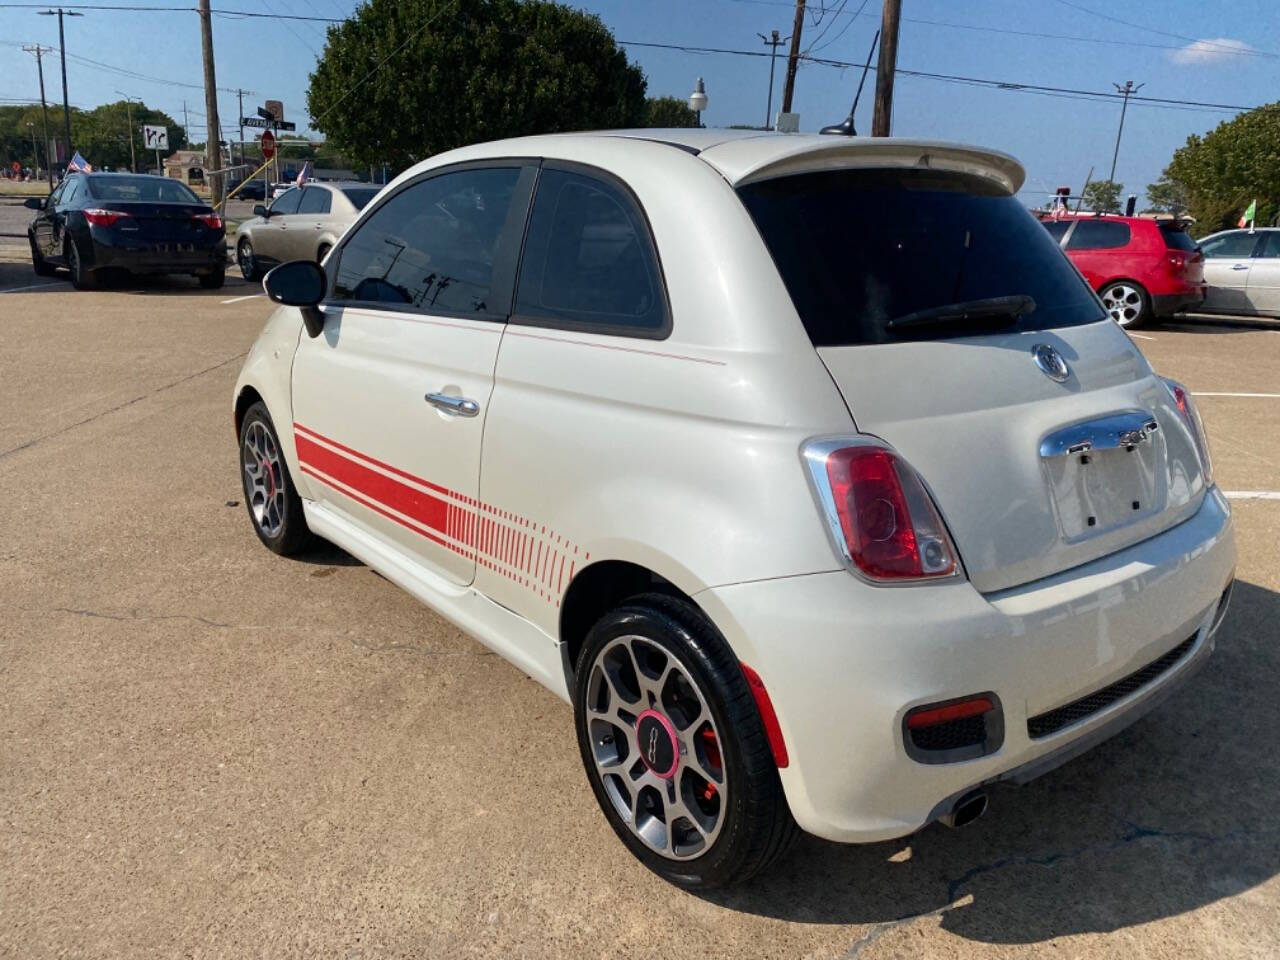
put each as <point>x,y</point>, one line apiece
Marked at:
<point>1175,813</point>
<point>1215,324</point>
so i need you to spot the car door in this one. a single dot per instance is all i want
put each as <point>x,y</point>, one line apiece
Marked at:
<point>275,233</point>
<point>1228,260</point>
<point>42,226</point>
<point>390,400</point>
<point>1263,287</point>
<point>67,202</point>
<point>1096,248</point>
<point>307,224</point>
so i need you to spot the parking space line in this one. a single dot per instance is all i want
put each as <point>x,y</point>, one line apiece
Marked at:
<point>1264,396</point>
<point>1141,336</point>
<point>238,299</point>
<point>34,286</point>
<point>1252,494</point>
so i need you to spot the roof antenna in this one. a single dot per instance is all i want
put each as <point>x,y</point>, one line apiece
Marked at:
<point>846,129</point>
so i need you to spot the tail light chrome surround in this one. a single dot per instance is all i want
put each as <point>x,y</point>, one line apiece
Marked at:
<point>938,558</point>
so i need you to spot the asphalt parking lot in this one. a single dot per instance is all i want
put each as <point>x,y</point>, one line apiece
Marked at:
<point>210,751</point>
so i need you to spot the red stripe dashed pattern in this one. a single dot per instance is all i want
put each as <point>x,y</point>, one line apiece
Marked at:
<point>528,553</point>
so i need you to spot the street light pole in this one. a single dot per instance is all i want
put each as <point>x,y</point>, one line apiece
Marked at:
<point>771,41</point>
<point>1128,90</point>
<point>128,108</point>
<point>62,53</point>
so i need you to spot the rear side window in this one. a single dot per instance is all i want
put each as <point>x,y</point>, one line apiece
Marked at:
<point>360,196</point>
<point>589,262</point>
<point>859,248</point>
<point>433,245</point>
<point>1176,238</point>
<point>1098,235</point>
<point>315,200</point>
<point>1234,246</point>
<point>74,189</point>
<point>1270,245</point>
<point>287,202</point>
<point>1057,228</point>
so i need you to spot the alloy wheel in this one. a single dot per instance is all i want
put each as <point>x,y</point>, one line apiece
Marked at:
<point>264,479</point>
<point>244,259</point>
<point>1124,302</point>
<point>656,747</point>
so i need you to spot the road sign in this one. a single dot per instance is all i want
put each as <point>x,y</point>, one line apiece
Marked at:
<point>275,108</point>
<point>155,138</point>
<point>267,124</point>
<point>268,145</point>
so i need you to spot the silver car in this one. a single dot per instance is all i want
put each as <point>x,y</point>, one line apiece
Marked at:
<point>303,223</point>
<point>1242,269</point>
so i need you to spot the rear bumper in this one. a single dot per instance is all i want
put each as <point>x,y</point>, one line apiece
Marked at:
<point>844,662</point>
<point>159,258</point>
<point>1167,304</point>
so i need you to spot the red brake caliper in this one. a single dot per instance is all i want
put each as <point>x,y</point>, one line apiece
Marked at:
<point>712,747</point>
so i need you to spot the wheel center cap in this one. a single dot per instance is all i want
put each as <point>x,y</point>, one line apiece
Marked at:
<point>659,748</point>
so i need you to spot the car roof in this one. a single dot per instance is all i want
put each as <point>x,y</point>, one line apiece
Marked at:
<point>744,156</point>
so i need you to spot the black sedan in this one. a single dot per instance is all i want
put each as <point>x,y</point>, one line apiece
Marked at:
<point>135,223</point>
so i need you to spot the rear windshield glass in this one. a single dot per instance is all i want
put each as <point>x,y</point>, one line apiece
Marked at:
<point>1177,239</point>
<point>858,248</point>
<point>144,189</point>
<point>359,196</point>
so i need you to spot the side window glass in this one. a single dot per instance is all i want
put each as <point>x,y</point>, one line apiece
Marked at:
<point>315,200</point>
<point>433,245</point>
<point>56,197</point>
<point>287,202</point>
<point>1236,245</point>
<point>1057,229</point>
<point>1098,235</point>
<point>1270,245</point>
<point>69,195</point>
<point>589,259</point>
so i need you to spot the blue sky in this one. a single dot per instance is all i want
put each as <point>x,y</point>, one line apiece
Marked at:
<point>1057,139</point>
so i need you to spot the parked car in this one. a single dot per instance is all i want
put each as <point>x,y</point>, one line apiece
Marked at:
<point>804,467</point>
<point>278,189</point>
<point>128,222</point>
<point>1242,270</point>
<point>303,222</point>
<point>255,189</point>
<point>1141,268</point>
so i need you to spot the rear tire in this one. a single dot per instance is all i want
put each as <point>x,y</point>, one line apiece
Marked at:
<point>1127,303</point>
<point>723,774</point>
<point>214,280</point>
<point>246,260</point>
<point>39,264</point>
<point>82,278</point>
<point>274,506</point>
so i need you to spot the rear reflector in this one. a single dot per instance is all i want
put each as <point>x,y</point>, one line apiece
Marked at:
<point>954,711</point>
<point>770,719</point>
<point>103,218</point>
<point>953,731</point>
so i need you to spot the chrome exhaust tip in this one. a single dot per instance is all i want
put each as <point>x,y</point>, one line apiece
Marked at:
<point>966,810</point>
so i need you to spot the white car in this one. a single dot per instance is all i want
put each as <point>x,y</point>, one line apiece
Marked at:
<point>806,468</point>
<point>1242,270</point>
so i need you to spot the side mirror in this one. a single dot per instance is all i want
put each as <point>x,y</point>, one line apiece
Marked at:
<point>260,211</point>
<point>302,284</point>
<point>34,203</point>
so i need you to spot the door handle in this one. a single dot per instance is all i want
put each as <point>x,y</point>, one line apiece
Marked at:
<point>1239,266</point>
<point>454,406</point>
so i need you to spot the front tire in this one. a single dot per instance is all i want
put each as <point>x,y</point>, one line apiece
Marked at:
<point>269,494</point>
<point>39,264</point>
<point>674,746</point>
<point>1127,303</point>
<point>246,260</point>
<point>82,278</point>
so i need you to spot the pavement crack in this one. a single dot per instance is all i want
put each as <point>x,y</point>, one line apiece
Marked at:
<point>120,406</point>
<point>878,930</point>
<point>133,616</point>
<point>409,647</point>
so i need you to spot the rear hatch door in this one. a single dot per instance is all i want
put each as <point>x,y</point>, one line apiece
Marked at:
<point>1034,472</point>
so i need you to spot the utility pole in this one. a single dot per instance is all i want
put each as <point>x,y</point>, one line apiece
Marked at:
<point>240,121</point>
<point>771,41</point>
<point>62,51</point>
<point>1128,90</point>
<point>793,58</point>
<point>44,110</point>
<point>35,154</point>
<point>186,124</point>
<point>213,150</point>
<point>886,66</point>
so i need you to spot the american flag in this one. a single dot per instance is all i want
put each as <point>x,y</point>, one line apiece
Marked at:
<point>305,174</point>
<point>79,164</point>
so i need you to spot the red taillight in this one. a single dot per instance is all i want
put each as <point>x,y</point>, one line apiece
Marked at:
<point>770,719</point>
<point>210,220</point>
<point>932,716</point>
<point>887,524</point>
<point>98,217</point>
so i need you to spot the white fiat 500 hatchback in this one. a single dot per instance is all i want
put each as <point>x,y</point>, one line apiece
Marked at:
<point>806,468</point>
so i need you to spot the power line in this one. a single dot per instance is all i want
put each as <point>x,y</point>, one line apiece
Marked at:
<point>137,8</point>
<point>1163,33</point>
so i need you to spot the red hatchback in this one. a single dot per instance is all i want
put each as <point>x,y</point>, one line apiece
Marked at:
<point>1141,268</point>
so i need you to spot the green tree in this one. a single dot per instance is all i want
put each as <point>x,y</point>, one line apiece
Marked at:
<point>1233,164</point>
<point>669,112</point>
<point>1103,196</point>
<point>101,134</point>
<point>403,79</point>
<point>1167,196</point>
